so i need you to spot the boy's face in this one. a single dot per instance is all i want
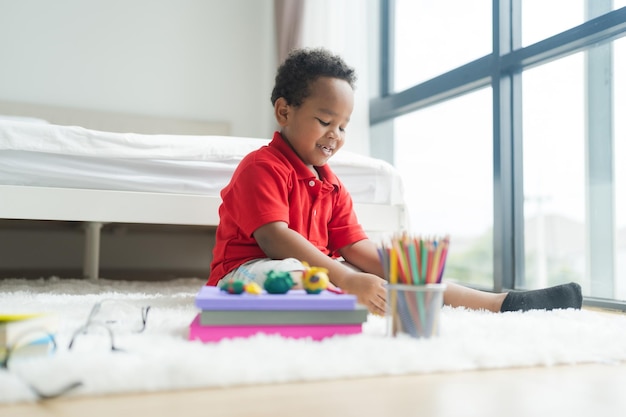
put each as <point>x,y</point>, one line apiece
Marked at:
<point>316,128</point>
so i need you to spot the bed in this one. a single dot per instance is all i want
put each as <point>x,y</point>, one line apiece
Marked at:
<point>69,173</point>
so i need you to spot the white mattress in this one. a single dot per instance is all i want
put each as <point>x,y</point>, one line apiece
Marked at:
<point>48,155</point>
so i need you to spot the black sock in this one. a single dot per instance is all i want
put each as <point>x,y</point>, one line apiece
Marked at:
<point>561,296</point>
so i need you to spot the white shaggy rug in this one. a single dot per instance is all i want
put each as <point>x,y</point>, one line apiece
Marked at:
<point>161,358</point>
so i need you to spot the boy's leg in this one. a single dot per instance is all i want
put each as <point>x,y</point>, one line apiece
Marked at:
<point>560,296</point>
<point>257,270</point>
<point>459,296</point>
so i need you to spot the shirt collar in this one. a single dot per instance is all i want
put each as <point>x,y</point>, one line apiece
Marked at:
<point>280,144</point>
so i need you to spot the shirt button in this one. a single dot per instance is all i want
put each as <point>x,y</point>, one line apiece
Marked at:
<point>312,183</point>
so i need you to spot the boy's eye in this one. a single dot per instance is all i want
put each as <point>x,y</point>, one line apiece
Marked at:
<point>326,124</point>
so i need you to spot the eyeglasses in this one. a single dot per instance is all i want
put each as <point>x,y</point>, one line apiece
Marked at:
<point>112,316</point>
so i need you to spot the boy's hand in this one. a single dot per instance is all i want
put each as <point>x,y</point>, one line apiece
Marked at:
<point>369,289</point>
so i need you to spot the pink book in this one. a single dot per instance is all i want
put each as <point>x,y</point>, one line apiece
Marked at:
<point>316,332</point>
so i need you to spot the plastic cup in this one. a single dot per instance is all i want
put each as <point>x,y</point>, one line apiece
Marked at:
<point>414,310</point>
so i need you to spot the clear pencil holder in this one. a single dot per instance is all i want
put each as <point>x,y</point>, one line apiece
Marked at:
<point>414,310</point>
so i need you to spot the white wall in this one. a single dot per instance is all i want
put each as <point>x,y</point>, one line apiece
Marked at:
<point>209,60</point>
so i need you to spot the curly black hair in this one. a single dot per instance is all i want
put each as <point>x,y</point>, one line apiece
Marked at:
<point>304,66</point>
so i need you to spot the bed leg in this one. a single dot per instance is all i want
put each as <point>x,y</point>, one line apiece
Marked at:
<point>91,260</point>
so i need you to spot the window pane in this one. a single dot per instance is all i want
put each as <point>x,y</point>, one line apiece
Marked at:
<point>554,173</point>
<point>444,154</point>
<point>565,196</point>
<point>433,37</point>
<point>619,91</point>
<point>542,19</point>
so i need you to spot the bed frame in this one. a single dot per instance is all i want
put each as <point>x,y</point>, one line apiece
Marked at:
<point>98,207</point>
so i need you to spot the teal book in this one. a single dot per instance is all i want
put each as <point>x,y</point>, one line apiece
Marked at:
<point>271,317</point>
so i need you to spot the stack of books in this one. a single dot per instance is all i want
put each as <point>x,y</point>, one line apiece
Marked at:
<point>26,334</point>
<point>295,314</point>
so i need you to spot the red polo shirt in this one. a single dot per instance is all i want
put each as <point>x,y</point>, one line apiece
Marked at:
<point>272,184</point>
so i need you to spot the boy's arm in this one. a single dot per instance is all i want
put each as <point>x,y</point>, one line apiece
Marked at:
<point>278,242</point>
<point>363,255</point>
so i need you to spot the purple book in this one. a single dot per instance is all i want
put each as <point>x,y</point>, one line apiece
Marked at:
<point>212,298</point>
<point>315,332</point>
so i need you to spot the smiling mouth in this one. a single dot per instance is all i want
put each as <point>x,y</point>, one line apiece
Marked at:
<point>327,150</point>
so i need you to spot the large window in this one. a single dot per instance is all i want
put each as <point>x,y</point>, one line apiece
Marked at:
<point>507,127</point>
<point>444,154</point>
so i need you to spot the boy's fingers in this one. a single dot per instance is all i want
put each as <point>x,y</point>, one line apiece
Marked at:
<point>377,307</point>
<point>333,288</point>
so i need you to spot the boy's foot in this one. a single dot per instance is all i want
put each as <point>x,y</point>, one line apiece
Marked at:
<point>561,296</point>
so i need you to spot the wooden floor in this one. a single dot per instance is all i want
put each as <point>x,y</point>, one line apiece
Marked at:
<point>583,390</point>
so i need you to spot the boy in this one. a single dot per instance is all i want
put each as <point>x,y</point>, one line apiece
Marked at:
<point>284,204</point>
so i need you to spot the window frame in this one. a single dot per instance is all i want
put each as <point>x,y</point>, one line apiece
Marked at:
<point>502,70</point>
